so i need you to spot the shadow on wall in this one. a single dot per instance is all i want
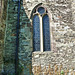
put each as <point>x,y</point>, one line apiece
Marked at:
<point>23,43</point>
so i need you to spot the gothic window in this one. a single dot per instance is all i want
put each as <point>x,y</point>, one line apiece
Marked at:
<point>41,30</point>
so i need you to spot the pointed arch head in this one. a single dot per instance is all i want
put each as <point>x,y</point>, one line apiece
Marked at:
<point>41,5</point>
<point>34,10</point>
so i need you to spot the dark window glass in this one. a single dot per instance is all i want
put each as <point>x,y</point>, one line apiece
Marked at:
<point>36,33</point>
<point>41,10</point>
<point>46,33</point>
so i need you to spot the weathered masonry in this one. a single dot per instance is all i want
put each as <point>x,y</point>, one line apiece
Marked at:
<point>45,35</point>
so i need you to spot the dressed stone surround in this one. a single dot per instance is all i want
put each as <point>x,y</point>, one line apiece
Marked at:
<point>62,28</point>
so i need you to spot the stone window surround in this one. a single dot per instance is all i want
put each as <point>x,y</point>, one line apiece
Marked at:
<point>41,34</point>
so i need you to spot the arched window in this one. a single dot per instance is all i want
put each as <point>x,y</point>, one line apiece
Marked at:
<point>36,33</point>
<point>41,30</point>
<point>46,33</point>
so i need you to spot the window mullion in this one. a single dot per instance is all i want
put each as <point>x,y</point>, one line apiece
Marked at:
<point>41,35</point>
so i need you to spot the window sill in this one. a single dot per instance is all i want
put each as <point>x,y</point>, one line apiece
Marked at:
<point>39,52</point>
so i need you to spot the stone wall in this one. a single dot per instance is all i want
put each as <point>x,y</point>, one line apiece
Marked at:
<point>24,50</point>
<point>10,38</point>
<point>62,28</point>
<point>2,28</point>
<point>62,25</point>
<point>73,14</point>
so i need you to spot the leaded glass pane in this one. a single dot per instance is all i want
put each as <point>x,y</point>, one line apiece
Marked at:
<point>36,33</point>
<point>41,10</point>
<point>46,33</point>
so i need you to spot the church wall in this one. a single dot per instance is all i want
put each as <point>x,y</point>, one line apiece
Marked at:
<point>62,28</point>
<point>62,25</point>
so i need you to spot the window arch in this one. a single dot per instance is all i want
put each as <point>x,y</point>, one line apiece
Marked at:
<point>41,30</point>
